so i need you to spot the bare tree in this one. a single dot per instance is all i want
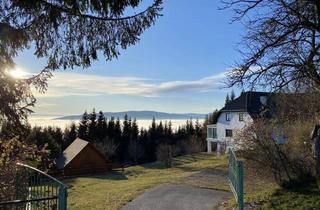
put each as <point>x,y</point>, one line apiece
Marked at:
<point>108,148</point>
<point>281,48</point>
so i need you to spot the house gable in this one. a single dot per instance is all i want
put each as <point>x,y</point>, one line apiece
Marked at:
<point>89,160</point>
<point>234,123</point>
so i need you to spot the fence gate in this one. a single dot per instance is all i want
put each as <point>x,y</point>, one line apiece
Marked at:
<point>235,177</point>
<point>35,190</point>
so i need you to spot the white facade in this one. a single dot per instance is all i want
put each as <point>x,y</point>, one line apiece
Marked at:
<point>225,130</point>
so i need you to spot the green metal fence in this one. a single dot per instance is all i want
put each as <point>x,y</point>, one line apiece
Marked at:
<point>34,189</point>
<point>235,177</point>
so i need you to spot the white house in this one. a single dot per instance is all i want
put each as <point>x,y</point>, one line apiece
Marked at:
<point>234,117</point>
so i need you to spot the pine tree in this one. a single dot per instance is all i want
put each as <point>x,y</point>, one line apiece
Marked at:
<point>170,132</point>
<point>232,96</point>
<point>227,101</point>
<point>83,126</point>
<point>126,137</point>
<point>126,129</point>
<point>135,130</point>
<point>102,127</point>
<point>165,128</point>
<point>65,34</point>
<point>198,129</point>
<point>70,134</point>
<point>117,138</point>
<point>151,143</point>
<point>189,128</point>
<point>117,131</point>
<point>111,129</point>
<point>135,148</point>
<point>56,134</point>
<point>160,131</point>
<point>153,129</point>
<point>92,126</point>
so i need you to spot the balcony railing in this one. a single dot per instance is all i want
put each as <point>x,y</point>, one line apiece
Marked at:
<point>212,131</point>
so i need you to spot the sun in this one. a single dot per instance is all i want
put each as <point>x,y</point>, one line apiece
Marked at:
<point>17,73</point>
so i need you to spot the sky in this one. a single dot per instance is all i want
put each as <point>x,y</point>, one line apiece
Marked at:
<point>178,66</point>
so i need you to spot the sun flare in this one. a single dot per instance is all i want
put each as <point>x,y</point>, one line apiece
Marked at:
<point>17,73</point>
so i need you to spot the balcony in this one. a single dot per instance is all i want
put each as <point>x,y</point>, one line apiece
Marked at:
<point>211,132</point>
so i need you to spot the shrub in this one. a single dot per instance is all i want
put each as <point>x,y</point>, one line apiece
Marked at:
<point>13,151</point>
<point>291,163</point>
<point>165,154</point>
<point>189,146</point>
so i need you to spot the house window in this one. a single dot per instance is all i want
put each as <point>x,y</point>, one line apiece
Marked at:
<point>228,117</point>
<point>240,116</point>
<point>228,133</point>
<point>214,133</point>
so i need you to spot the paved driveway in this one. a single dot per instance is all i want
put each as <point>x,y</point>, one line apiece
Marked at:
<point>177,197</point>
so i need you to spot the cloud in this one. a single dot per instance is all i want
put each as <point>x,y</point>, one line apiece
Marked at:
<point>75,84</point>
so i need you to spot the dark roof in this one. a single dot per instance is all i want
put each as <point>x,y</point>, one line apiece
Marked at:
<point>70,152</point>
<point>247,102</point>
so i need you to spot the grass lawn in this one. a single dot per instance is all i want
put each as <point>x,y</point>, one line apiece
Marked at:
<point>114,189</point>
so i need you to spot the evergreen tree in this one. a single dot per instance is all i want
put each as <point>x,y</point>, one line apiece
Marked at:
<point>165,128</point>
<point>170,132</point>
<point>126,137</point>
<point>111,129</point>
<point>151,143</point>
<point>102,127</point>
<point>232,96</point>
<point>118,139</point>
<point>65,34</point>
<point>160,131</point>
<point>153,129</point>
<point>117,131</point>
<point>83,126</point>
<point>211,118</point>
<point>56,134</point>
<point>198,129</point>
<point>70,134</point>
<point>189,128</point>
<point>126,132</point>
<point>227,101</point>
<point>135,148</point>
<point>92,126</point>
<point>135,130</point>
<point>43,137</point>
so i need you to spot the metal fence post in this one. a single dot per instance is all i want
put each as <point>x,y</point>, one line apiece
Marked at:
<point>62,198</point>
<point>240,185</point>
<point>235,175</point>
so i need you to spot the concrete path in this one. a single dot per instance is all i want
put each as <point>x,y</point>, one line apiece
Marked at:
<point>177,197</point>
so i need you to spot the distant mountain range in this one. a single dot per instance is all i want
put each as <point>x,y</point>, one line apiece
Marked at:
<point>142,115</point>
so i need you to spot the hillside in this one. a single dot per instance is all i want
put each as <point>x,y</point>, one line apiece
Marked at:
<point>142,115</point>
